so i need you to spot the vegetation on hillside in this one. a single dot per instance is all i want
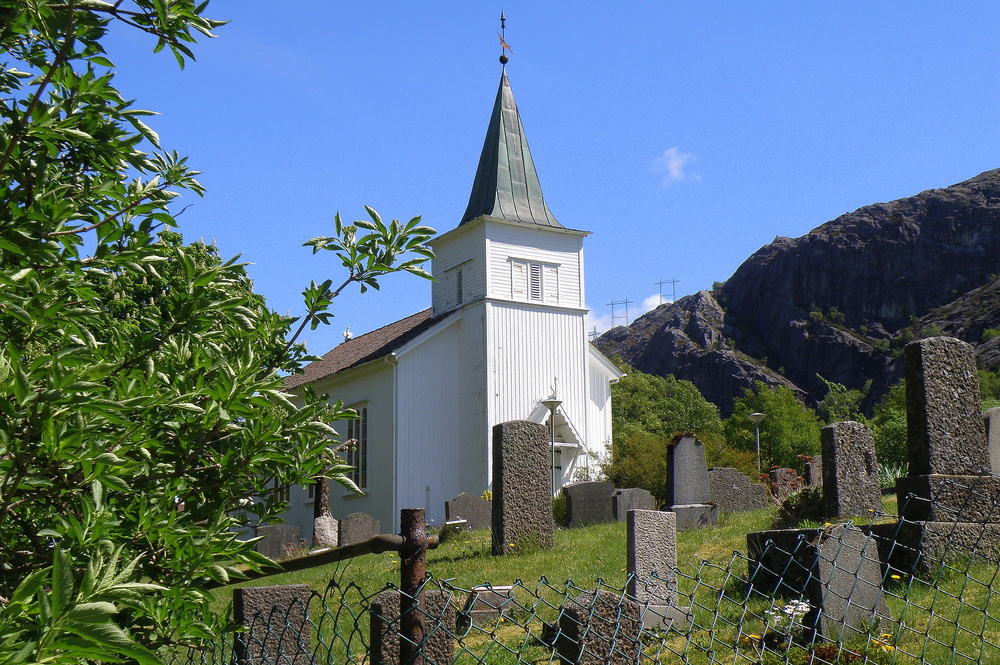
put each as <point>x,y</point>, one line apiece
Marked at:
<point>647,413</point>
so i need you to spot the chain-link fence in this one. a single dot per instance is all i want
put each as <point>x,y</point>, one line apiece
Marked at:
<point>892,591</point>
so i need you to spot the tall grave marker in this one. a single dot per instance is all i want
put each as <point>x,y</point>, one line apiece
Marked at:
<point>948,507</point>
<point>522,493</point>
<point>850,472</point>
<point>688,492</point>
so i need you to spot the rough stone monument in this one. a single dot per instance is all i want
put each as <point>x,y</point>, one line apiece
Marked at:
<point>813,474</point>
<point>439,627</point>
<point>589,502</point>
<point>631,498</point>
<point>277,540</point>
<point>946,505</point>
<point>784,482</point>
<point>357,528</point>
<point>652,560</point>
<point>733,492</point>
<point>326,531</point>
<point>687,484</point>
<point>476,511</point>
<point>850,472</point>
<point>522,491</point>
<point>259,610</point>
<point>599,628</point>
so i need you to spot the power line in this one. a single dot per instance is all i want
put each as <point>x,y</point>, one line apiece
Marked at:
<point>614,304</point>
<point>673,286</point>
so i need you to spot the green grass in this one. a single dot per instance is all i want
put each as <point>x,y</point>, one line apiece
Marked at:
<point>957,609</point>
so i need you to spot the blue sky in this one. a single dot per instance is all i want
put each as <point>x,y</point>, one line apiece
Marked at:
<point>683,135</point>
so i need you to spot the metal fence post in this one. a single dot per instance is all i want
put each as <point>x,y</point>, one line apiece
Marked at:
<point>412,571</point>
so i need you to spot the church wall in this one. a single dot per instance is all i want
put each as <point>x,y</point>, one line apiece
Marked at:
<point>441,417</point>
<point>371,388</point>
<point>531,347</point>
<point>463,248</point>
<point>599,414</point>
<point>544,246</point>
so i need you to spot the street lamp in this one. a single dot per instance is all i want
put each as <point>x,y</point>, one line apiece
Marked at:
<point>552,404</point>
<point>755,418</point>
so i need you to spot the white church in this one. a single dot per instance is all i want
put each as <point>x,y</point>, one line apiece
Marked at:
<point>504,336</point>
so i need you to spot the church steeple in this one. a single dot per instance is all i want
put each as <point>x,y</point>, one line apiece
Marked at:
<point>506,185</point>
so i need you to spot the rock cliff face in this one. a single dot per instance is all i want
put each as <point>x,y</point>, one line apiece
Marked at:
<point>837,302</point>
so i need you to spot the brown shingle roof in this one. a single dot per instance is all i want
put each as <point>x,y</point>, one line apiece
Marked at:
<point>364,348</point>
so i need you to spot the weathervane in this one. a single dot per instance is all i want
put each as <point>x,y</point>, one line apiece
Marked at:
<point>504,46</point>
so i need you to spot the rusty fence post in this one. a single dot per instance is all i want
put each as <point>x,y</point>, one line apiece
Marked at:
<point>412,571</point>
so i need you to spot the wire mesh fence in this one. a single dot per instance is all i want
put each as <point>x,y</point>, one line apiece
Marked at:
<point>892,591</point>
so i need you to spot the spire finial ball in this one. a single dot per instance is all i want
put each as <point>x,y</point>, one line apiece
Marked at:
<point>503,59</point>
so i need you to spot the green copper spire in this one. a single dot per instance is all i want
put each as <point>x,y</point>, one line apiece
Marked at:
<point>506,185</point>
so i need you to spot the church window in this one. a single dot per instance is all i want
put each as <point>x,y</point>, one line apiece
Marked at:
<point>459,287</point>
<point>534,282</point>
<point>357,451</point>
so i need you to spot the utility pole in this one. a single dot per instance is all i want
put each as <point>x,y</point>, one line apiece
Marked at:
<point>614,304</point>
<point>673,286</point>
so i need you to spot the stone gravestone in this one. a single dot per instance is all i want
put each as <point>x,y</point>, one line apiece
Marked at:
<point>850,483</point>
<point>326,531</point>
<point>784,482</point>
<point>485,606</point>
<point>631,498</point>
<point>944,428</point>
<point>845,591</point>
<point>813,475</point>
<point>357,528</point>
<point>589,503</point>
<point>476,511</point>
<point>836,569</point>
<point>733,492</point>
<point>276,625</point>
<point>522,491</point>
<point>599,628</point>
<point>687,484</point>
<point>277,540</point>
<point>652,560</point>
<point>947,507</point>
<point>439,627</point>
<point>991,419</point>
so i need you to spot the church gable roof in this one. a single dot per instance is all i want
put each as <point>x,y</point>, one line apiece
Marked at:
<point>364,348</point>
<point>506,185</point>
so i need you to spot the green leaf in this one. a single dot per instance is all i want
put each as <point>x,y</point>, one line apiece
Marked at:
<point>97,612</point>
<point>110,635</point>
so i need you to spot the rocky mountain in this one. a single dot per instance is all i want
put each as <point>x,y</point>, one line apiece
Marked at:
<point>839,302</point>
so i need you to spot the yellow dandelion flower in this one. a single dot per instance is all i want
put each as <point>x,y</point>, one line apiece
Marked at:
<point>896,577</point>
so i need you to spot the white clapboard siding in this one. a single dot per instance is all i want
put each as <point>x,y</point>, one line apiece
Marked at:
<point>462,248</point>
<point>558,255</point>
<point>441,417</point>
<point>530,349</point>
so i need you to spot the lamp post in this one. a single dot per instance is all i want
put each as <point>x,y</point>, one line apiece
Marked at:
<point>755,418</point>
<point>552,404</point>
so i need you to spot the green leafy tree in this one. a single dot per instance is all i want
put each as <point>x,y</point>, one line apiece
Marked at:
<point>840,404</point>
<point>788,430</point>
<point>141,380</point>
<point>646,412</point>
<point>888,425</point>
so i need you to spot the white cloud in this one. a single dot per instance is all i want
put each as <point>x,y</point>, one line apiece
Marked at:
<point>652,302</point>
<point>600,322</point>
<point>672,162</point>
